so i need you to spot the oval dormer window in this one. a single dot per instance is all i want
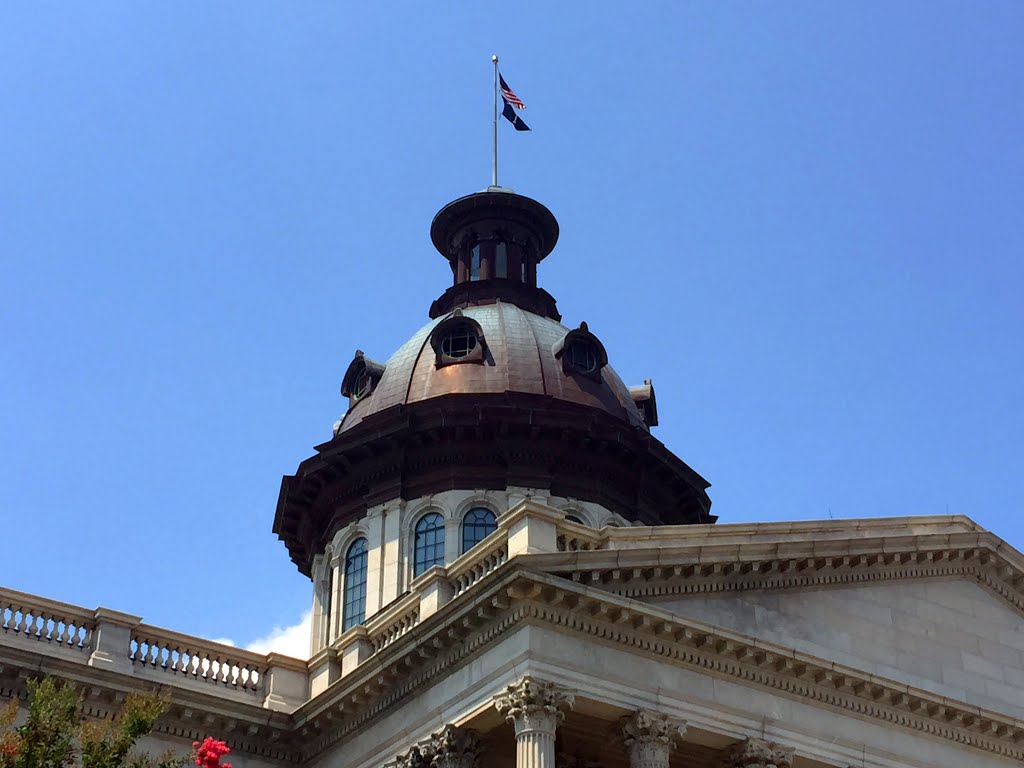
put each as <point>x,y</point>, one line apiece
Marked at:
<point>360,378</point>
<point>581,352</point>
<point>459,341</point>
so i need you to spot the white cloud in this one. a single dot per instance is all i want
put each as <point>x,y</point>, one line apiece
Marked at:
<point>291,641</point>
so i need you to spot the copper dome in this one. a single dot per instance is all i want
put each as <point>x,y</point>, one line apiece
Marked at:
<point>522,358</point>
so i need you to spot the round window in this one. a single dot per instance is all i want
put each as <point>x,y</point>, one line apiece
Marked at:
<point>582,356</point>
<point>458,342</point>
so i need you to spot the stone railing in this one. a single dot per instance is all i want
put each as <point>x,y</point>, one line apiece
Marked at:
<point>393,622</point>
<point>121,643</point>
<point>573,537</point>
<point>190,658</point>
<point>57,626</point>
<point>479,561</point>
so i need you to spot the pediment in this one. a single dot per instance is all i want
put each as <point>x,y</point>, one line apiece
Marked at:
<point>948,636</point>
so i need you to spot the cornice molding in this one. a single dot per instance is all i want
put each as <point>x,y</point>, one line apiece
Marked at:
<point>663,571</point>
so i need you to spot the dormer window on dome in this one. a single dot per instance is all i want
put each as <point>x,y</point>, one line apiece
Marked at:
<point>458,339</point>
<point>582,353</point>
<point>360,378</point>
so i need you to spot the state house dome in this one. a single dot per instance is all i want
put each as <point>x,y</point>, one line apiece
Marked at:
<point>494,393</point>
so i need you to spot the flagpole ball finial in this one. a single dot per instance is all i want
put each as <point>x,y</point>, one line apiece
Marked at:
<point>494,58</point>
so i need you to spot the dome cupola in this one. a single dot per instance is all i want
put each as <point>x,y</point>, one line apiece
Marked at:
<point>493,241</point>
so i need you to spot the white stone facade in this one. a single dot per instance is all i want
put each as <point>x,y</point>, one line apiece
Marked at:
<point>874,643</point>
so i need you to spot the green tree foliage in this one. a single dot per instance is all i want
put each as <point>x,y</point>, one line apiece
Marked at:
<point>54,736</point>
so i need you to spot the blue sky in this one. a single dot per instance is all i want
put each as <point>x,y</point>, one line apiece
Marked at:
<point>803,220</point>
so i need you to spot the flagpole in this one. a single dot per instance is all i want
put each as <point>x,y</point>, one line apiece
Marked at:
<point>494,175</point>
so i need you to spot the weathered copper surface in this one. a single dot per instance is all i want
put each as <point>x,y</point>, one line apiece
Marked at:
<point>522,359</point>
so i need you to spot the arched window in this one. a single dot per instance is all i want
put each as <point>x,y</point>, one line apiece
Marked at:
<point>477,525</point>
<point>574,519</point>
<point>429,545</point>
<point>354,608</point>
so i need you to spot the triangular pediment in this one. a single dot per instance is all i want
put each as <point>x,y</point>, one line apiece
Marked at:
<point>948,636</point>
<point>934,603</point>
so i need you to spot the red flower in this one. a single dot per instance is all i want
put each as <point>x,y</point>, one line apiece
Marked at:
<point>209,753</point>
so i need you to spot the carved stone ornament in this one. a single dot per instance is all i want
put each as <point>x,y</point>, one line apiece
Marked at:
<point>455,748</point>
<point>450,748</point>
<point>533,705</point>
<point>649,738</point>
<point>755,753</point>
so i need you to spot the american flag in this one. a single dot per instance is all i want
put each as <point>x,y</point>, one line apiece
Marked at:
<point>509,95</point>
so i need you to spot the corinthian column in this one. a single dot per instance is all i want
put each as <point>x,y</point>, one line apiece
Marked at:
<point>649,738</point>
<point>533,708</point>
<point>755,753</point>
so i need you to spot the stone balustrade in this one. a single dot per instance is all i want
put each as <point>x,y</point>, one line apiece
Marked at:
<point>479,561</point>
<point>58,626</point>
<point>393,622</point>
<point>122,643</point>
<point>190,658</point>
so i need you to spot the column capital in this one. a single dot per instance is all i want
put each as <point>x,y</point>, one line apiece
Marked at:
<point>454,748</point>
<point>650,737</point>
<point>449,748</point>
<point>534,705</point>
<point>757,753</point>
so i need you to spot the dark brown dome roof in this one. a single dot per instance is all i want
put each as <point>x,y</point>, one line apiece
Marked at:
<point>522,359</point>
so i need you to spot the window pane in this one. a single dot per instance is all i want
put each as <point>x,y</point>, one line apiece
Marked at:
<point>354,611</point>
<point>429,546</point>
<point>501,260</point>
<point>477,525</point>
<point>459,342</point>
<point>474,263</point>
